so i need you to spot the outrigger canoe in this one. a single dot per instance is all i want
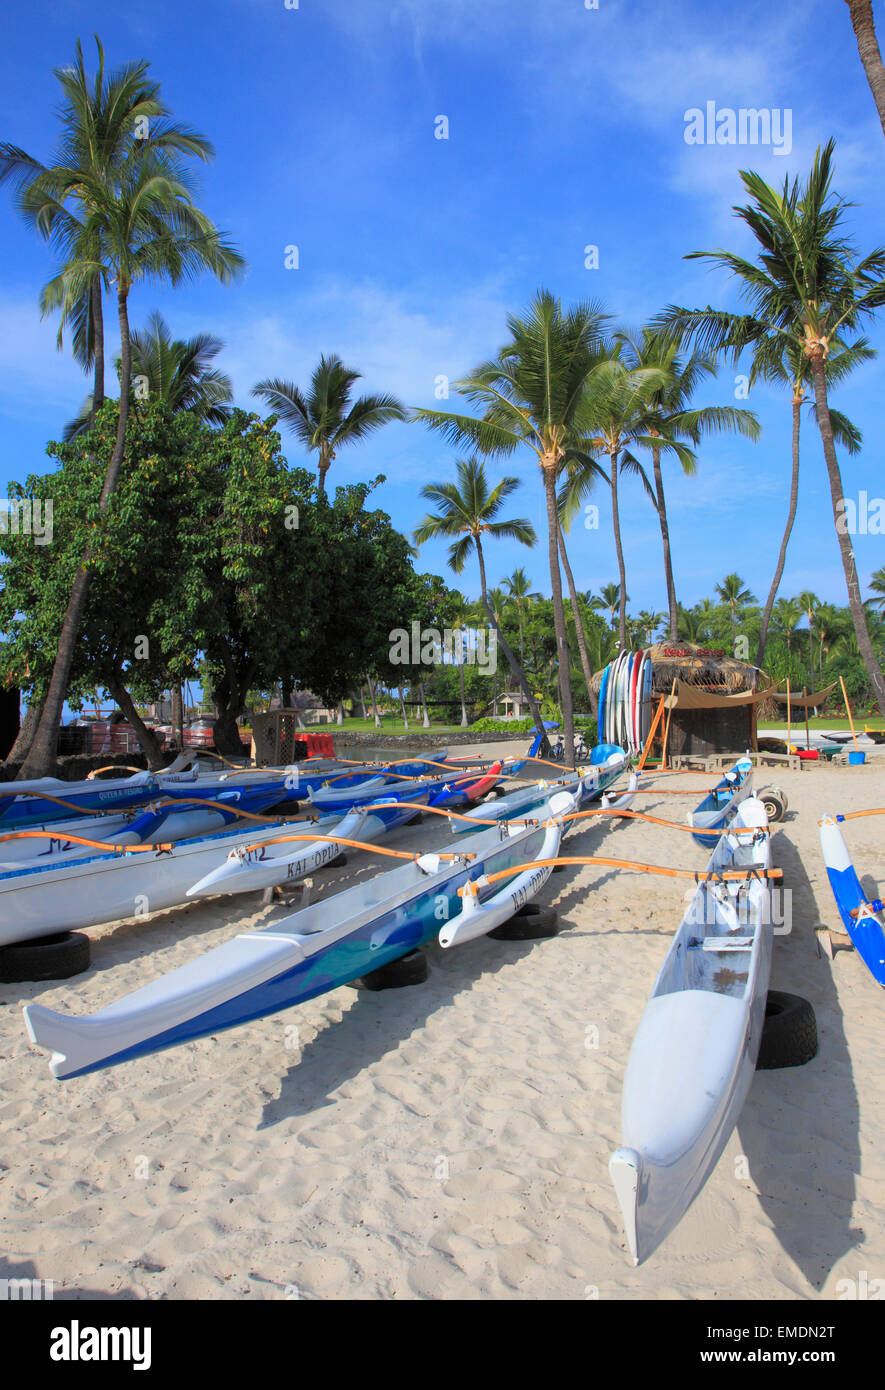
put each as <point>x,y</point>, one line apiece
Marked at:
<point>719,807</point>
<point>861,916</point>
<point>327,944</point>
<point>694,1053</point>
<point>157,822</point>
<point>448,790</point>
<point>42,899</point>
<point>590,783</point>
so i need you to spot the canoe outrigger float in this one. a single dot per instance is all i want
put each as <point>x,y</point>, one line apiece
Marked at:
<point>694,1053</point>
<point>862,917</point>
<point>719,807</point>
<point>327,944</point>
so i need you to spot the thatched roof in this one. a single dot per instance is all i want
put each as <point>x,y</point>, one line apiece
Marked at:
<point>710,667</point>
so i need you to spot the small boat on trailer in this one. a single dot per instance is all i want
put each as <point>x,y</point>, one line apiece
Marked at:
<point>719,807</point>
<point>694,1053</point>
<point>324,945</point>
<point>862,917</point>
<point>46,898</point>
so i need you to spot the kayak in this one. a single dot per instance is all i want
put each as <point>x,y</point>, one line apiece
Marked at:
<point>326,944</point>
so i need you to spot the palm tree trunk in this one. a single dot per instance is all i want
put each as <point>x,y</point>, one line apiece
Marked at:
<point>42,751</point>
<point>622,574</point>
<point>562,651</point>
<point>791,517</point>
<point>810,654</point>
<point>661,507</point>
<point>504,645</point>
<point>426,716</point>
<point>177,715</point>
<point>579,623</point>
<point>98,335</point>
<point>375,715</point>
<point>868,48</point>
<point>858,613</point>
<point>402,701</point>
<point>148,740</point>
<point>461,676</point>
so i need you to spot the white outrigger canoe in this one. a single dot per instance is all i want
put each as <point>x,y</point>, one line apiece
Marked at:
<point>694,1053</point>
<point>329,943</point>
<point>46,898</point>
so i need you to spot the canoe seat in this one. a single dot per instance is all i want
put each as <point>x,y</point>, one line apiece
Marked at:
<point>723,943</point>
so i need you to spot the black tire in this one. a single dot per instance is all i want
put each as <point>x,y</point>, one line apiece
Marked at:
<point>338,862</point>
<point>48,958</point>
<point>789,1033</point>
<point>531,923</point>
<point>775,804</point>
<point>410,969</point>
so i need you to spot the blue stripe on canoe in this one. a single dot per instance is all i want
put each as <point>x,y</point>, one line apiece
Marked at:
<point>868,934</point>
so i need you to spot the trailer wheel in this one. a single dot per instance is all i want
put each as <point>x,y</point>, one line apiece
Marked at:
<point>789,1033</point>
<point>531,923</point>
<point>55,957</point>
<point>410,969</point>
<point>775,803</point>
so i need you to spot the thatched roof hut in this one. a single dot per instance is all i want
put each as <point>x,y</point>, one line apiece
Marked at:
<point>712,697</point>
<point>709,667</point>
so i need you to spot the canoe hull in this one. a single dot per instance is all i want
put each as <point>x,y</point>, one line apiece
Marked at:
<point>867,932</point>
<point>694,1053</point>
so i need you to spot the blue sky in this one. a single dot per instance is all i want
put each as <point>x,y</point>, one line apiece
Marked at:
<point>566,128</point>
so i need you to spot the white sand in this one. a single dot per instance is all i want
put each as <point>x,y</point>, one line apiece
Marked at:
<point>452,1139</point>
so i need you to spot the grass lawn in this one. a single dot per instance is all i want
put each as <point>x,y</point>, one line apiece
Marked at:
<point>388,726</point>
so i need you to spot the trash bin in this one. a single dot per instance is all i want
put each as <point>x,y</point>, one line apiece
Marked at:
<point>857,756</point>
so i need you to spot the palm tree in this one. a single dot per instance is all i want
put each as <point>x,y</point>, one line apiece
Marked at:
<point>176,373</point>
<point>98,118</point>
<point>466,509</point>
<point>785,617</point>
<point>648,624</point>
<point>324,420</point>
<point>809,285</point>
<point>868,48</point>
<point>877,586</point>
<point>138,222</point>
<point>522,596</point>
<point>608,601</point>
<point>532,395</point>
<point>781,359</point>
<point>677,423</point>
<point>617,413</point>
<point>809,603</point>
<point>733,594</point>
<point>457,613</point>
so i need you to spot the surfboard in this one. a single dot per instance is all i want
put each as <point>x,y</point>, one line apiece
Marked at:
<point>600,713</point>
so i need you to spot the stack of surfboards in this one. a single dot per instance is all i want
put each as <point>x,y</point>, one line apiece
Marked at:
<point>625,700</point>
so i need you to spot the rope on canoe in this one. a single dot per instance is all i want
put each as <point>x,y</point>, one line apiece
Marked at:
<point>664,872</point>
<point>82,840</point>
<point>111,767</point>
<point>353,844</point>
<point>671,824</point>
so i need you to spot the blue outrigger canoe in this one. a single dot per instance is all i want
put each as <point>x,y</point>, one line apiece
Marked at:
<point>327,944</point>
<point>861,916</point>
<point>718,809</point>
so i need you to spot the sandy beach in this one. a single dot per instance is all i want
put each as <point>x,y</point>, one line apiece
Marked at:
<point>451,1140</point>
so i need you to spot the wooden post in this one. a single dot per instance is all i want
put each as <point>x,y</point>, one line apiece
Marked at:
<point>651,733</point>
<point>807,734</point>
<point>848,708</point>
<point>667,727</point>
<point>789,715</point>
